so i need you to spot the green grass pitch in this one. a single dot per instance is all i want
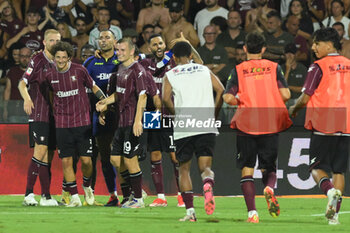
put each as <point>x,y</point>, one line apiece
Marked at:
<point>297,215</point>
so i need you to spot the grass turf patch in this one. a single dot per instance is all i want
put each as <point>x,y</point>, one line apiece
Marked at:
<point>297,215</point>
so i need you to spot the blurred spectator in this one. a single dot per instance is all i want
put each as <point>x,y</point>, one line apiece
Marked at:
<point>241,6</point>
<point>276,38</point>
<point>9,22</point>
<point>240,55</point>
<point>220,24</point>
<point>39,4</point>
<point>339,27</point>
<point>214,56</point>
<point>114,22</point>
<point>204,16</point>
<point>13,56</point>
<point>86,51</point>
<point>292,25</point>
<point>147,32</point>
<point>31,36</point>
<point>122,10</point>
<point>233,36</point>
<point>256,19</point>
<point>82,38</point>
<point>132,34</point>
<point>66,36</point>
<point>13,102</point>
<point>294,73</point>
<point>103,17</point>
<point>158,29</point>
<point>328,5</point>
<point>316,9</point>
<point>57,14</point>
<point>179,24</point>
<point>299,9</point>
<point>155,14</point>
<point>337,15</point>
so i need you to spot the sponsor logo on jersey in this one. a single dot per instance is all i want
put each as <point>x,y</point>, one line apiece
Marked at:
<point>121,90</point>
<point>63,94</point>
<point>104,76</point>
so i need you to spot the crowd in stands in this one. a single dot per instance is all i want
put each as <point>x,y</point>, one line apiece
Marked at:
<point>217,28</point>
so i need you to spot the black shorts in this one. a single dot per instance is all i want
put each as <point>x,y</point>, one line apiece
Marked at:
<point>329,153</point>
<point>126,144</point>
<point>200,145</point>
<point>161,140</point>
<point>263,146</point>
<point>42,133</point>
<point>73,140</point>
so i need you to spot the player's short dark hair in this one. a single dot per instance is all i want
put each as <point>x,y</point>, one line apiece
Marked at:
<point>88,46</point>
<point>328,35</point>
<point>339,24</point>
<point>182,49</point>
<point>154,36</point>
<point>254,42</point>
<point>274,13</point>
<point>63,46</point>
<point>107,30</point>
<point>128,41</point>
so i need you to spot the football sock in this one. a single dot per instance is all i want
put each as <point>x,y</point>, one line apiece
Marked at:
<point>339,204</point>
<point>33,172</point>
<point>125,186</point>
<point>136,184</point>
<point>64,185</point>
<point>109,175</point>
<point>44,176</point>
<point>71,187</point>
<point>94,172</point>
<point>269,179</point>
<point>248,189</point>
<point>86,181</point>
<point>209,180</point>
<point>157,175</point>
<point>188,199</point>
<point>325,184</point>
<point>176,173</point>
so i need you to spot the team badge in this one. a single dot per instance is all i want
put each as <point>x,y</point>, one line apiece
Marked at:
<point>73,78</point>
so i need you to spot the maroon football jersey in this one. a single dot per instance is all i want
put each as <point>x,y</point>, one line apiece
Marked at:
<point>150,64</point>
<point>33,40</point>
<point>38,92</point>
<point>12,28</point>
<point>15,74</point>
<point>131,82</point>
<point>71,104</point>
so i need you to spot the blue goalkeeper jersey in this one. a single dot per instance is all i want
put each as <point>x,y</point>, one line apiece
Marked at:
<point>101,70</point>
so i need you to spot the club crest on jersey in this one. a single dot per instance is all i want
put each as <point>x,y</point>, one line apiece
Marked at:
<point>73,78</point>
<point>29,71</point>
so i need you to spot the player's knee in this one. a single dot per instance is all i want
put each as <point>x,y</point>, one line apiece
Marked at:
<point>86,161</point>
<point>40,151</point>
<point>115,162</point>
<point>156,155</point>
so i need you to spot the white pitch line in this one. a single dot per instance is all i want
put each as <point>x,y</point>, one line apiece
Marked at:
<point>341,212</point>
